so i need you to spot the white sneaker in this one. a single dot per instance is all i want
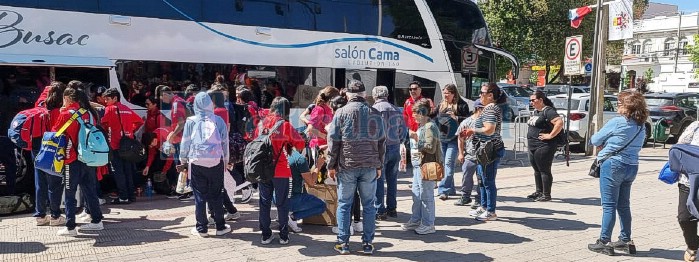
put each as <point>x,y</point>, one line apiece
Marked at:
<point>476,212</point>
<point>223,231</point>
<point>197,234</point>
<point>246,194</point>
<point>67,233</point>
<point>43,221</point>
<point>60,221</point>
<point>82,214</point>
<point>358,227</point>
<point>424,230</point>
<point>229,216</point>
<point>336,230</point>
<point>92,226</point>
<point>101,201</point>
<point>283,241</point>
<point>267,241</point>
<point>487,216</point>
<point>294,226</point>
<point>410,225</point>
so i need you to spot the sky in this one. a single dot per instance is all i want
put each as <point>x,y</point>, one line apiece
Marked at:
<point>684,5</point>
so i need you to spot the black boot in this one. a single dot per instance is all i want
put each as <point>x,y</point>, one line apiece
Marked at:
<point>600,247</point>
<point>626,246</point>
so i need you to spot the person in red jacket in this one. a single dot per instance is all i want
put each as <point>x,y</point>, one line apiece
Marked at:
<point>154,118</point>
<point>284,139</point>
<point>415,90</point>
<point>119,120</point>
<point>160,160</point>
<point>76,172</point>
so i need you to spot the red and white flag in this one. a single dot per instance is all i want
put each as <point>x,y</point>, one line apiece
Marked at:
<point>576,15</point>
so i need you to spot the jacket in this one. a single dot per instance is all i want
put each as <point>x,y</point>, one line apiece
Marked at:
<point>428,144</point>
<point>72,131</point>
<point>203,106</point>
<point>684,159</point>
<point>118,118</point>
<point>394,123</point>
<point>408,112</point>
<point>356,137</point>
<point>283,136</point>
<point>615,134</point>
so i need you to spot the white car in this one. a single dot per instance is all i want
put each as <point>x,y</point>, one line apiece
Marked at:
<point>579,113</point>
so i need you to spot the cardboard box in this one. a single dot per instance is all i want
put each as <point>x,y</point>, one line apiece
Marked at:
<point>327,193</point>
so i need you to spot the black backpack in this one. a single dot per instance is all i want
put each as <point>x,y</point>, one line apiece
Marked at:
<point>259,162</point>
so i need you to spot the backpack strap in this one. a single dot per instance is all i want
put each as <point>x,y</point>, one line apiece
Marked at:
<point>76,114</point>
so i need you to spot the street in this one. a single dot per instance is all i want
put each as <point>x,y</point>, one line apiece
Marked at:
<point>158,230</point>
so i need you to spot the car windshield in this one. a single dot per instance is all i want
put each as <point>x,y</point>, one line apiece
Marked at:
<point>658,101</point>
<point>516,91</point>
<point>562,103</point>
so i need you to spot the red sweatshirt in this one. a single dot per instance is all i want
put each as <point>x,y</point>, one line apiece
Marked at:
<point>114,122</point>
<point>153,151</point>
<point>283,135</point>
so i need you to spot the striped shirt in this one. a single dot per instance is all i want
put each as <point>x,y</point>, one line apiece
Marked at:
<point>492,115</point>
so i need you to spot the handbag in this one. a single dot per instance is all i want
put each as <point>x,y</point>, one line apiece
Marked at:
<point>485,152</point>
<point>597,163</point>
<point>130,149</point>
<point>667,175</point>
<point>432,171</point>
<point>52,154</point>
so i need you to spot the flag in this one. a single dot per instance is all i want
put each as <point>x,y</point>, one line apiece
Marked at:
<point>620,20</point>
<point>576,15</point>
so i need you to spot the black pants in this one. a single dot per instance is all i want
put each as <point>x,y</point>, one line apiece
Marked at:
<point>541,159</point>
<point>688,223</point>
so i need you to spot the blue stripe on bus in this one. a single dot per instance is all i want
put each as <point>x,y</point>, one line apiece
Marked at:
<point>322,42</point>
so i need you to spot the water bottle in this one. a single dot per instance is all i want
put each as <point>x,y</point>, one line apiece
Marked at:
<point>149,188</point>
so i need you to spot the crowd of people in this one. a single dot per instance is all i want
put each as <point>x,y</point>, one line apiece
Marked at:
<point>346,142</point>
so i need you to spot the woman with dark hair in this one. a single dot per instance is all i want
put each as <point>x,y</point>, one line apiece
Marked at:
<point>76,172</point>
<point>618,171</point>
<point>219,100</point>
<point>284,139</point>
<point>321,116</point>
<point>487,129</point>
<point>544,126</point>
<point>451,112</point>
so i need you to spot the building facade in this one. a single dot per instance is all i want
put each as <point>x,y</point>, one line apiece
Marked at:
<point>658,50</point>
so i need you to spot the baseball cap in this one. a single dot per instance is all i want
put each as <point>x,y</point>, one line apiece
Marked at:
<point>477,103</point>
<point>355,86</point>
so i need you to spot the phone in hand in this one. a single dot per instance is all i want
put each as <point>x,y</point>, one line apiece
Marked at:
<point>181,167</point>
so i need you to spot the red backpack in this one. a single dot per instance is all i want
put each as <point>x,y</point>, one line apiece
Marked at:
<point>27,125</point>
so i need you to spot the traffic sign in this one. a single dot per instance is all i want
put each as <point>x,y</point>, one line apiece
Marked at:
<point>573,49</point>
<point>469,58</point>
<point>588,68</point>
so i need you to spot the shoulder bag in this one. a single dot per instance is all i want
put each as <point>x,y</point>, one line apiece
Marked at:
<point>597,163</point>
<point>130,149</point>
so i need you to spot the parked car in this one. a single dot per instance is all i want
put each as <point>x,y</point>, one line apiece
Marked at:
<point>563,89</point>
<point>579,113</point>
<point>678,109</point>
<point>517,101</point>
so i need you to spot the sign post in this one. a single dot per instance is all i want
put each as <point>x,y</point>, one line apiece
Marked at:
<point>573,49</point>
<point>469,58</point>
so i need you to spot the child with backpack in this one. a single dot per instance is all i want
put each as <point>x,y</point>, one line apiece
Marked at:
<point>76,171</point>
<point>274,183</point>
<point>204,148</point>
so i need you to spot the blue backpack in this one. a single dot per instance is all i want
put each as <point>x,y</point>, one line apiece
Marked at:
<point>93,148</point>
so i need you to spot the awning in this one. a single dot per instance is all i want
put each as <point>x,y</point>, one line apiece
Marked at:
<point>508,55</point>
<point>58,61</point>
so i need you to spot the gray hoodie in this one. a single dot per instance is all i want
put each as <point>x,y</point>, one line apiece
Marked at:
<point>203,107</point>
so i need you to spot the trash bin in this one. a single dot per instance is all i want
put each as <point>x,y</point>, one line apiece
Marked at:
<point>661,132</point>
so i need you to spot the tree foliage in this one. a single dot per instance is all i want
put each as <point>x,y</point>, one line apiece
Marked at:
<point>694,54</point>
<point>535,30</point>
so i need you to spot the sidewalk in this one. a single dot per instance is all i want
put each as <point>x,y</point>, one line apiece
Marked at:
<point>158,230</point>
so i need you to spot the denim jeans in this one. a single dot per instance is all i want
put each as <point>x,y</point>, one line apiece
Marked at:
<point>423,198</point>
<point>449,150</point>
<point>489,192</point>
<point>469,167</point>
<point>349,180</point>
<point>77,173</point>
<point>615,190</point>
<point>48,189</point>
<point>305,205</point>
<point>390,175</point>
<point>277,190</point>
<point>207,185</point>
<point>123,176</point>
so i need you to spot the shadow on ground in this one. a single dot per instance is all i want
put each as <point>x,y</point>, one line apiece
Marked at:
<point>550,223</point>
<point>676,255</point>
<point>536,211</point>
<point>588,201</point>
<point>21,247</point>
<point>132,231</point>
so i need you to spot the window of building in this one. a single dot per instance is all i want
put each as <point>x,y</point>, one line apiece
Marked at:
<point>669,47</point>
<point>647,47</point>
<point>683,46</point>
<point>636,48</point>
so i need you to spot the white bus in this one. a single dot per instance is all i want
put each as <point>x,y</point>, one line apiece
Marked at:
<point>302,45</point>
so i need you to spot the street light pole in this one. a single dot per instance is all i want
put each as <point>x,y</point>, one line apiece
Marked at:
<point>677,46</point>
<point>593,80</point>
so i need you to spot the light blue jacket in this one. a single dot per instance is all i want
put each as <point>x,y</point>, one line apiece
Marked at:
<point>615,134</point>
<point>203,106</point>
